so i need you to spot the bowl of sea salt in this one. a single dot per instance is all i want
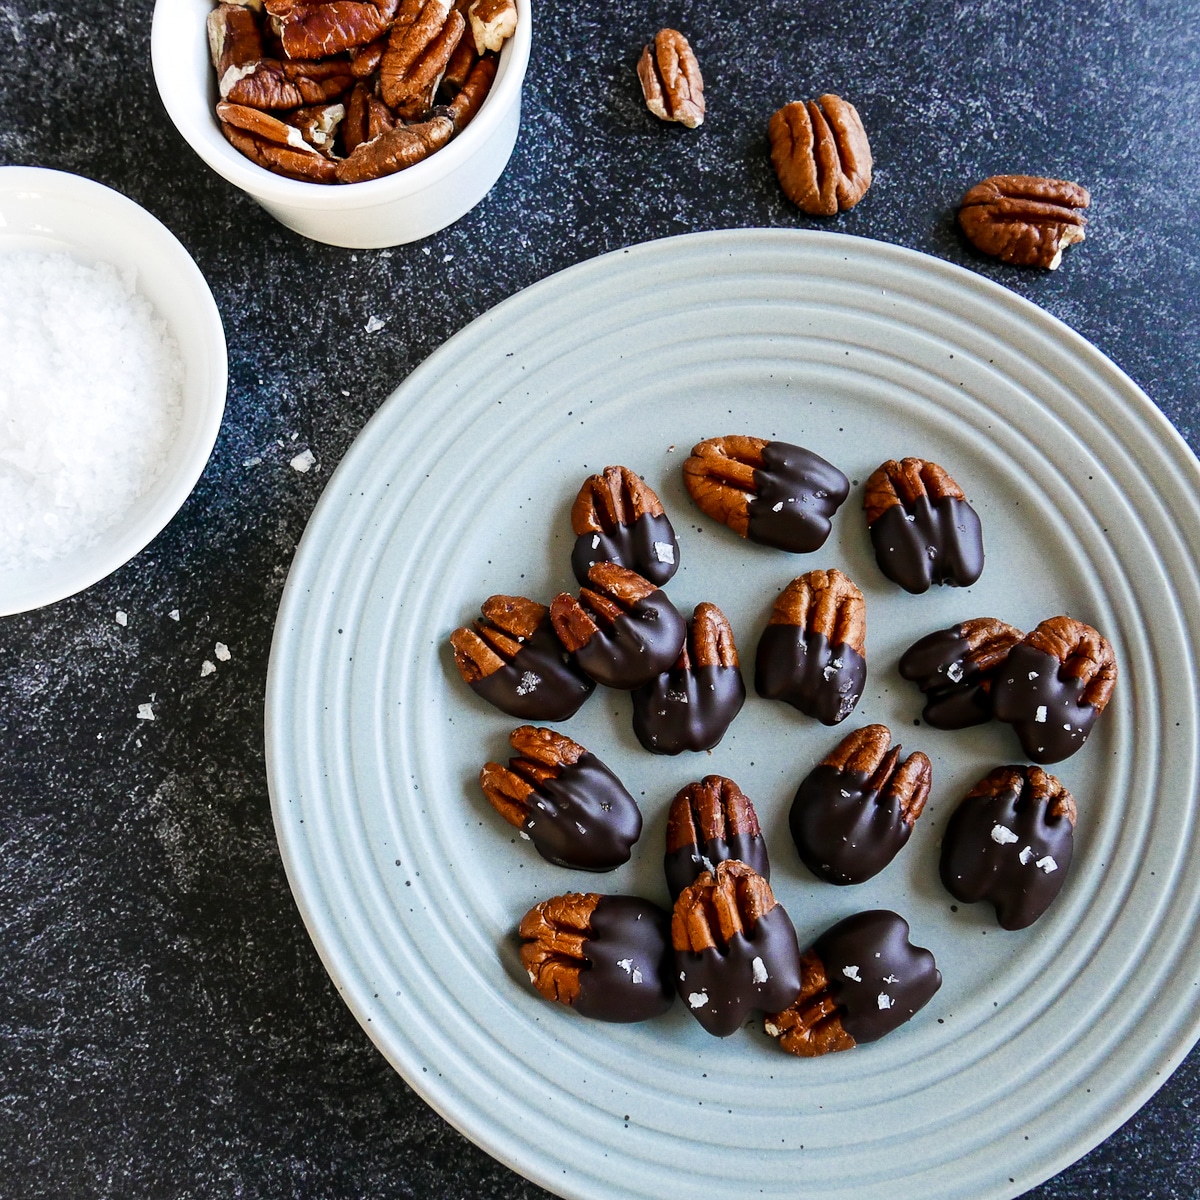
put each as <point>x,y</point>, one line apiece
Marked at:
<point>112,387</point>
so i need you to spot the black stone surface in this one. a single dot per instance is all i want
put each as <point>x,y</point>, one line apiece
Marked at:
<point>166,1028</point>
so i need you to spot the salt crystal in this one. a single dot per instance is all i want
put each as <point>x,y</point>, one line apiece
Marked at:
<point>121,618</point>
<point>207,668</point>
<point>758,970</point>
<point>174,614</point>
<point>374,325</point>
<point>851,972</point>
<point>303,461</point>
<point>1002,835</point>
<point>697,999</point>
<point>222,652</point>
<point>145,712</point>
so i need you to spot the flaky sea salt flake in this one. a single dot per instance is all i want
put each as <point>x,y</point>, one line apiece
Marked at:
<point>1002,835</point>
<point>222,652</point>
<point>207,668</point>
<point>145,712</point>
<point>121,618</point>
<point>303,462</point>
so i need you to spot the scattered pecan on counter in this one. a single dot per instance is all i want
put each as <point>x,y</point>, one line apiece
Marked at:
<point>820,152</point>
<point>1024,219</point>
<point>671,80</point>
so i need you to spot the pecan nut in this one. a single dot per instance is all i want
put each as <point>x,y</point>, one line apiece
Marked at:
<point>862,979</point>
<point>622,630</point>
<point>420,45</point>
<point>709,822</point>
<point>1010,842</point>
<point>273,143</point>
<point>618,518</point>
<point>607,957</point>
<point>1024,219</point>
<point>690,706</point>
<point>820,152</point>
<point>1055,684</point>
<point>493,22</point>
<point>955,669</point>
<point>565,800</point>
<point>514,660</point>
<point>769,492</point>
<point>922,528</point>
<point>316,30</point>
<point>671,80</point>
<point>854,811</point>
<point>735,948</point>
<point>394,149</point>
<point>468,99</point>
<point>812,653</point>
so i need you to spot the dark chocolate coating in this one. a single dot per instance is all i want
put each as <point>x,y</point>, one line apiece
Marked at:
<point>798,492</point>
<point>639,645</point>
<point>1042,705</point>
<point>941,543</point>
<point>954,695</point>
<point>895,979</point>
<point>584,819</point>
<point>762,971</point>
<point>687,709</point>
<point>648,546</point>
<point>1008,851</point>
<point>628,976</point>
<point>542,683</point>
<point>845,831</point>
<point>802,669</point>
<point>685,865</point>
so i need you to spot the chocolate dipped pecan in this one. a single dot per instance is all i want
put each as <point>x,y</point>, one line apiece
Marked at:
<point>1024,219</point>
<point>956,667</point>
<point>855,810</point>
<point>691,706</point>
<point>617,518</point>
<point>709,822</point>
<point>622,630</point>
<point>1010,842</point>
<point>564,800</point>
<point>769,492</point>
<point>861,979</point>
<point>812,653</point>
<point>514,660</point>
<point>922,528</point>
<point>607,957</point>
<point>1055,684</point>
<point>735,948</point>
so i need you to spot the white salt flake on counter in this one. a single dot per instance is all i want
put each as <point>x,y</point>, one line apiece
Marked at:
<point>303,461</point>
<point>121,618</point>
<point>222,652</point>
<point>374,324</point>
<point>145,712</point>
<point>91,397</point>
<point>174,614</point>
<point>207,668</point>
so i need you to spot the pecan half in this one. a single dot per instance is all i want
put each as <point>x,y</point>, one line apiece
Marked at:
<point>812,1025</point>
<point>397,148</point>
<point>468,99</point>
<point>235,44</point>
<point>315,30</point>
<point>709,822</point>
<point>1024,219</point>
<point>820,152</point>
<point>273,143</point>
<point>671,80</point>
<point>493,22</point>
<point>618,518</point>
<point>421,42</point>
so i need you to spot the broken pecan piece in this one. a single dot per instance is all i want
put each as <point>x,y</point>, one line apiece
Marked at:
<point>1055,684</point>
<point>607,957</point>
<point>316,30</point>
<point>514,660</point>
<point>273,143</point>
<point>854,811</point>
<point>956,667</point>
<point>565,800</point>
<point>709,822</point>
<point>397,148</point>
<point>812,654</point>
<point>493,22</point>
<point>820,152</point>
<point>622,630</point>
<point>618,518</point>
<point>1010,842</point>
<point>671,80</point>
<point>421,42</point>
<point>861,979</point>
<point>735,948</point>
<point>922,528</point>
<point>690,706</point>
<point>1024,219</point>
<point>770,492</point>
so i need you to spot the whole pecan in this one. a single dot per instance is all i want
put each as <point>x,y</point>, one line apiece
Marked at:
<point>395,149</point>
<point>820,152</point>
<point>423,37</point>
<point>273,143</point>
<point>315,30</point>
<point>607,957</point>
<point>735,948</point>
<point>1010,842</point>
<point>622,630</point>
<point>812,654</point>
<point>563,799</point>
<point>956,667</point>
<point>493,22</point>
<point>671,80</point>
<point>1055,684</point>
<point>1024,219</point>
<point>709,822</point>
<point>618,518</point>
<point>773,493</point>
<point>854,811</point>
<point>922,528</point>
<point>861,979</point>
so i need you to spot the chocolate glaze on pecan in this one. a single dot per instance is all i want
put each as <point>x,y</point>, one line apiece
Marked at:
<point>1054,686</point>
<point>855,810</point>
<point>709,822</point>
<point>617,518</point>
<point>1010,842</point>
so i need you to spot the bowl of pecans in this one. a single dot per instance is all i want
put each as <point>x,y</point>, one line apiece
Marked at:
<point>359,123</point>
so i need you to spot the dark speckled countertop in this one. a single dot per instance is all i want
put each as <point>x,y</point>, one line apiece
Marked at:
<point>166,1028</point>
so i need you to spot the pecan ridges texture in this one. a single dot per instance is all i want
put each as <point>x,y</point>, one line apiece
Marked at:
<point>671,79</point>
<point>821,155</point>
<point>1025,220</point>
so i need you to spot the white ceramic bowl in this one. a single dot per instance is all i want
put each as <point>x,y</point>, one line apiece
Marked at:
<point>404,207</point>
<point>53,211</point>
